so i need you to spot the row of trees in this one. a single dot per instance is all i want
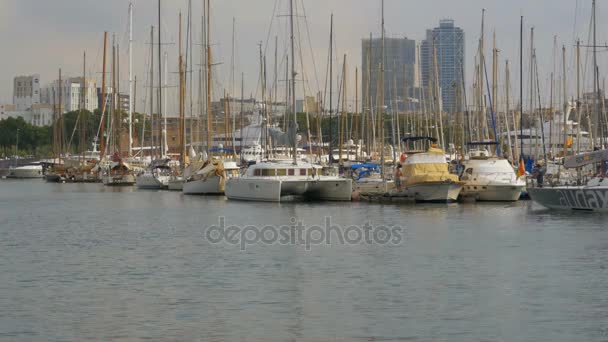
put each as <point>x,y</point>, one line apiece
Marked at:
<point>38,141</point>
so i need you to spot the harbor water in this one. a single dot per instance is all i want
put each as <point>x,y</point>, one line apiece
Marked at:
<point>87,262</point>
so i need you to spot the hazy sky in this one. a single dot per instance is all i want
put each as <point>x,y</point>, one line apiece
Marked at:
<point>39,36</point>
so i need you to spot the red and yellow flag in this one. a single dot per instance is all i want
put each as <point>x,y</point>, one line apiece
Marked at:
<point>522,169</point>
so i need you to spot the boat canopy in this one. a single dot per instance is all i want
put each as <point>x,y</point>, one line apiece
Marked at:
<point>428,167</point>
<point>583,159</point>
<point>366,166</point>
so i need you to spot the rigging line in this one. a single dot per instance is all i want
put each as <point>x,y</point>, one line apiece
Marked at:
<point>314,65</point>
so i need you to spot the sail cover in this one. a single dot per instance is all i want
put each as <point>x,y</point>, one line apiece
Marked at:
<point>583,159</point>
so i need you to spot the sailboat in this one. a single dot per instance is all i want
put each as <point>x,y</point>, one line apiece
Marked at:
<point>57,171</point>
<point>159,172</point>
<point>590,195</point>
<point>276,181</point>
<point>117,172</point>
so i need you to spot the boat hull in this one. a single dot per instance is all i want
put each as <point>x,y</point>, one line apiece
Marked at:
<point>149,181</point>
<point>25,173</point>
<point>435,192</point>
<point>277,190</point>
<point>176,184</point>
<point>492,193</point>
<point>209,186</point>
<point>571,198</point>
<point>118,180</point>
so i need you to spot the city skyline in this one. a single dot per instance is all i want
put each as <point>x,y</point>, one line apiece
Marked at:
<point>62,45</point>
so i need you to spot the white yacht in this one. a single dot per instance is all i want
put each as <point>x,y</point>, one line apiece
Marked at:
<point>490,178</point>
<point>367,180</point>
<point>156,176</point>
<point>276,181</point>
<point>33,170</point>
<point>209,178</point>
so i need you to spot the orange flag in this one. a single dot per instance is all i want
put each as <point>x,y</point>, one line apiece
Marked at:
<point>522,170</point>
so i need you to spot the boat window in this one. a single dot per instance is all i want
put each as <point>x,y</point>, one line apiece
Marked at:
<point>291,172</point>
<point>257,172</point>
<point>268,172</point>
<point>282,172</point>
<point>302,172</point>
<point>469,171</point>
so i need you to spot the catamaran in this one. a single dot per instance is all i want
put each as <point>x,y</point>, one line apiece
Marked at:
<point>276,181</point>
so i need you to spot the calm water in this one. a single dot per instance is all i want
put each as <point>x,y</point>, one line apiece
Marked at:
<point>84,262</point>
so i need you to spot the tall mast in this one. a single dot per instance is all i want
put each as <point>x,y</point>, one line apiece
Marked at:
<point>521,86</point>
<point>60,118</point>
<point>160,83</point>
<point>152,129</point>
<point>565,104</point>
<point>578,96</point>
<point>182,135</point>
<point>102,148</point>
<point>130,79</point>
<point>293,84</point>
<point>208,46</point>
<point>381,98</point>
<point>163,143</point>
<point>596,85</point>
<point>507,110</point>
<point>241,114</point>
<point>343,116</point>
<point>331,85</point>
<point>83,95</point>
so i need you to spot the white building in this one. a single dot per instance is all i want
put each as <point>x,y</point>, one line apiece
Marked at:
<point>73,92</point>
<point>26,92</point>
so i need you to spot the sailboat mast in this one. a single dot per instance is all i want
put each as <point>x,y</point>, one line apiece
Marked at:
<point>331,85</point>
<point>152,129</point>
<point>565,104</point>
<point>578,96</point>
<point>521,86</point>
<point>160,83</point>
<point>381,99</point>
<point>293,84</point>
<point>60,118</point>
<point>82,105</point>
<point>182,135</point>
<point>131,79</point>
<point>103,97</point>
<point>208,46</point>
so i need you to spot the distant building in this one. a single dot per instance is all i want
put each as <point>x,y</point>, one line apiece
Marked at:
<point>123,100</point>
<point>75,94</point>
<point>400,74</point>
<point>42,115</point>
<point>448,41</point>
<point>26,91</point>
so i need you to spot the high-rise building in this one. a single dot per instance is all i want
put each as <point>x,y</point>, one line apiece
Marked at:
<point>26,92</point>
<point>399,71</point>
<point>446,44</point>
<point>72,94</point>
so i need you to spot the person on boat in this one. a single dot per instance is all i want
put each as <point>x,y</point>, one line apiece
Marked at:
<point>398,175</point>
<point>538,173</point>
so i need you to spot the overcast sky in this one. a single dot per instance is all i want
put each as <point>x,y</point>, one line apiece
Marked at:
<point>39,36</point>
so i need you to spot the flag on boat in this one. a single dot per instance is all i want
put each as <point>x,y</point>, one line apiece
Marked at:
<point>522,169</point>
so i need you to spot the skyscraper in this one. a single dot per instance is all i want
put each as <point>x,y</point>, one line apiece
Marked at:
<point>448,42</point>
<point>399,71</point>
